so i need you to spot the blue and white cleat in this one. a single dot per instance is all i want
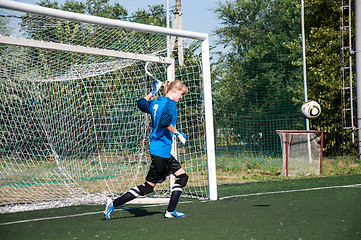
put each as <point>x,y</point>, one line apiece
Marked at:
<point>108,208</point>
<point>173,214</point>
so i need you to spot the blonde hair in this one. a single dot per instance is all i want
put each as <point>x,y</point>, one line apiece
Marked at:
<point>175,84</point>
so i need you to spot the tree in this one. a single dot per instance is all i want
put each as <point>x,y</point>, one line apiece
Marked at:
<point>261,73</point>
<point>259,78</point>
<point>322,30</point>
<point>323,55</point>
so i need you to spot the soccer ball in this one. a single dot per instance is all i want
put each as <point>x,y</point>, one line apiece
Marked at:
<point>311,109</point>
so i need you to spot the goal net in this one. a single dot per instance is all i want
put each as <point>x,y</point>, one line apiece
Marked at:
<point>301,151</point>
<point>70,130</point>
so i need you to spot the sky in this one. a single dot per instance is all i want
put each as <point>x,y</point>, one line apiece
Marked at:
<point>197,15</point>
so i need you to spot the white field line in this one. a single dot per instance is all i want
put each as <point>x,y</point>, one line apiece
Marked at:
<point>148,206</point>
<point>290,191</point>
<point>80,214</point>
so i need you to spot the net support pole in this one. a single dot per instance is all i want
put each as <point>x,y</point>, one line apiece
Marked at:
<point>305,70</point>
<point>211,159</point>
<point>304,59</point>
<point>358,71</point>
<point>287,152</point>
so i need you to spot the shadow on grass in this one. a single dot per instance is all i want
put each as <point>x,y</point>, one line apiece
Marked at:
<point>137,212</point>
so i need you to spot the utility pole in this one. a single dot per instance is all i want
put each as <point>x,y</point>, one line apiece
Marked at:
<point>177,24</point>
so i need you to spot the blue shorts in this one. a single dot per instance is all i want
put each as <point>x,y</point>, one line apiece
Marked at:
<point>160,168</point>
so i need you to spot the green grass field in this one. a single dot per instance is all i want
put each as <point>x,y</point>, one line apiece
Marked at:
<point>310,208</point>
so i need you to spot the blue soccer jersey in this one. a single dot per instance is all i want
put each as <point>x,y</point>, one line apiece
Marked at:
<point>163,112</point>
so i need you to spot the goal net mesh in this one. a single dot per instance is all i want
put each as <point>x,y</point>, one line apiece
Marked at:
<point>302,152</point>
<point>70,130</point>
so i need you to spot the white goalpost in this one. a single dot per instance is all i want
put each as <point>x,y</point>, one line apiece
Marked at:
<point>70,131</point>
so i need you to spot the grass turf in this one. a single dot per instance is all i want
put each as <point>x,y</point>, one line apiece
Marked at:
<point>323,213</point>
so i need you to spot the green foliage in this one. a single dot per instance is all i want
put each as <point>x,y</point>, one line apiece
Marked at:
<point>323,73</point>
<point>68,32</point>
<point>102,8</point>
<point>257,82</point>
<point>3,27</point>
<point>323,57</point>
<point>154,16</point>
<point>260,74</point>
